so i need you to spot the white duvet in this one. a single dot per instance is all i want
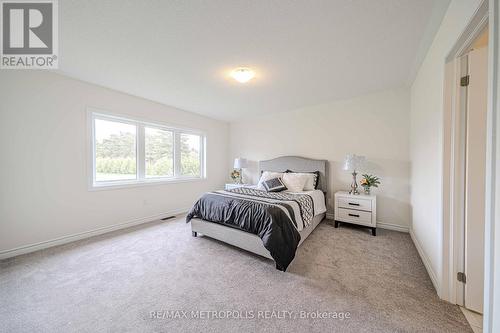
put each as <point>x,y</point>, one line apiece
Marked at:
<point>318,200</point>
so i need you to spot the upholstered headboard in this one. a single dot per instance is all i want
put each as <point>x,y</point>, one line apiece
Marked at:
<point>298,164</point>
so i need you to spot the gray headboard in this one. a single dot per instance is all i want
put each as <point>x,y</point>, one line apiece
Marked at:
<point>298,164</point>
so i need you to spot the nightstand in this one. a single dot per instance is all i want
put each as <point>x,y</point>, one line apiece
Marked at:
<point>356,209</point>
<point>230,186</point>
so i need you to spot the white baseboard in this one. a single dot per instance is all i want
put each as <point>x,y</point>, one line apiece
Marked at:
<point>382,225</point>
<point>426,261</point>
<point>395,227</point>
<point>86,234</point>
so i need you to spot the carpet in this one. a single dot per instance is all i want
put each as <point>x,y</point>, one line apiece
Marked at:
<point>158,278</point>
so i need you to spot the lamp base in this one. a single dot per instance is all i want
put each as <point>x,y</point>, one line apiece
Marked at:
<point>354,184</point>
<point>240,178</point>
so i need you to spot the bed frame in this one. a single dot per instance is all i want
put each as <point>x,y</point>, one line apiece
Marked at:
<point>251,242</point>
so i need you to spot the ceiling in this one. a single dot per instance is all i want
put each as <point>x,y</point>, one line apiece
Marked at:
<point>304,52</point>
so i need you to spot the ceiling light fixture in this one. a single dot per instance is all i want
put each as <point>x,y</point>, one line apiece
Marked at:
<point>242,74</point>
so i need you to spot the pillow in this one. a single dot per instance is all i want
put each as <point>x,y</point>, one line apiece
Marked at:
<point>262,171</point>
<point>266,175</point>
<point>274,185</point>
<point>294,181</point>
<point>312,182</point>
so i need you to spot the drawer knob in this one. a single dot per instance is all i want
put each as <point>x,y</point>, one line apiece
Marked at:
<point>355,215</point>
<point>353,204</point>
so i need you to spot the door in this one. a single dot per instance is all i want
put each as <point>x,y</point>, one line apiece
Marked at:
<point>475,173</point>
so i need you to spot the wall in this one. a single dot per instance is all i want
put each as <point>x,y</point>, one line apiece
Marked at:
<point>44,193</point>
<point>375,125</point>
<point>426,140</point>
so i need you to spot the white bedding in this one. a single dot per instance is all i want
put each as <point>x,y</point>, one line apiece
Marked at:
<point>318,200</point>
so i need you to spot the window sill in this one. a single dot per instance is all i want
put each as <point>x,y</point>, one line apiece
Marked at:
<point>140,183</point>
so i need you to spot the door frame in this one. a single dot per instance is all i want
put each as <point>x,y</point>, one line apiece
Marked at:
<point>488,12</point>
<point>491,316</point>
<point>454,126</point>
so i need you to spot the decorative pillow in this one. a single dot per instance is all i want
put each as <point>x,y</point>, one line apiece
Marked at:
<point>312,182</point>
<point>294,181</point>
<point>274,185</point>
<point>266,175</point>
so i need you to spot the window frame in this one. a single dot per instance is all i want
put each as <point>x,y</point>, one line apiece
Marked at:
<point>141,179</point>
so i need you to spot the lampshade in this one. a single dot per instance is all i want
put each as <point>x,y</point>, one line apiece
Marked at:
<point>240,163</point>
<point>353,162</point>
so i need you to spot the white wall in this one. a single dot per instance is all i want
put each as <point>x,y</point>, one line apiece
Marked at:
<point>426,139</point>
<point>43,192</point>
<point>375,125</point>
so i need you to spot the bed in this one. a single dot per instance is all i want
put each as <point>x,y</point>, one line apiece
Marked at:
<point>271,225</point>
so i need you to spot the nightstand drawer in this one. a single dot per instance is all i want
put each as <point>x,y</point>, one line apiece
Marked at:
<point>355,203</point>
<point>354,216</point>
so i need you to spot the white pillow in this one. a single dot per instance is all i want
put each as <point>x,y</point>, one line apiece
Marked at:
<point>267,175</point>
<point>309,186</point>
<point>294,182</point>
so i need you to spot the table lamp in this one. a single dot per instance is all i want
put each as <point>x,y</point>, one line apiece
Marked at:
<point>354,162</point>
<point>240,164</point>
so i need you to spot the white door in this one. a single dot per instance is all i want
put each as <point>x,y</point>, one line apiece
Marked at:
<point>475,172</point>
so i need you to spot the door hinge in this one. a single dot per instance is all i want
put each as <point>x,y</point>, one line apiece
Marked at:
<point>461,277</point>
<point>464,81</point>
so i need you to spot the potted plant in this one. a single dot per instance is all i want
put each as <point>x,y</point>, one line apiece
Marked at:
<point>236,176</point>
<point>369,181</point>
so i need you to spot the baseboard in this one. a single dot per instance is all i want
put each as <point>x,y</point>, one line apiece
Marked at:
<point>86,234</point>
<point>381,225</point>
<point>395,227</point>
<point>426,261</point>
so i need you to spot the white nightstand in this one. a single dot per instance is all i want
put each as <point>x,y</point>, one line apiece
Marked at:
<point>230,186</point>
<point>357,209</point>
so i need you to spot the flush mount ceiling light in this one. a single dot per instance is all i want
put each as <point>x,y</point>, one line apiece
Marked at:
<point>242,74</point>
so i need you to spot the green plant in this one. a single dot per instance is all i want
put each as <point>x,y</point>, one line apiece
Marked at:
<point>235,175</point>
<point>118,165</point>
<point>370,181</point>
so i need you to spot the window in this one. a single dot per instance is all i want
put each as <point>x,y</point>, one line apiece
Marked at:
<point>159,153</point>
<point>190,154</point>
<point>127,151</point>
<point>115,151</point>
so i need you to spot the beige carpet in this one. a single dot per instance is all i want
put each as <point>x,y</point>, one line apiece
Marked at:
<point>113,283</point>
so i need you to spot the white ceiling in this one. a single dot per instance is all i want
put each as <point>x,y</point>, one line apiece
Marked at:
<point>304,52</point>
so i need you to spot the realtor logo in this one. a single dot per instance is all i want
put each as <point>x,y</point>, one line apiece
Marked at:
<point>29,34</point>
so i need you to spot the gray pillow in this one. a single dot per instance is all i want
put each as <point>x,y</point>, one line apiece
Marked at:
<point>274,185</point>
